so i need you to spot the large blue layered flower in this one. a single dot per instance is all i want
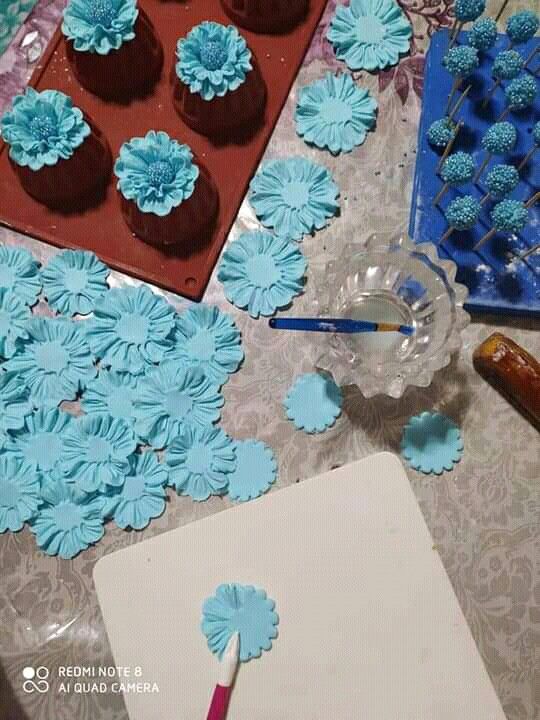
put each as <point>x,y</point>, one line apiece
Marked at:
<point>370,34</point>
<point>99,26</point>
<point>19,493</point>
<point>130,328</point>
<point>294,196</point>
<point>335,113</point>
<point>171,397</point>
<point>15,402</point>
<point>156,172</point>
<point>19,272</point>
<point>213,60</point>
<point>97,448</point>
<point>261,272</point>
<point>43,128</point>
<point>73,281</point>
<point>68,521</point>
<point>112,393</point>
<point>208,339</point>
<point>14,314</point>
<point>54,361</point>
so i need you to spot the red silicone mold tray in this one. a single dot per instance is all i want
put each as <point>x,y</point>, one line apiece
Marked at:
<point>102,229</point>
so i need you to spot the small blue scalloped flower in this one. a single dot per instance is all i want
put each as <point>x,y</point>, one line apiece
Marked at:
<point>213,60</point>
<point>15,402</point>
<point>461,60</point>
<point>54,361</point>
<point>208,339</point>
<point>68,521</point>
<point>483,34</point>
<point>14,314</point>
<point>431,443</point>
<point>19,493</point>
<point>441,132</point>
<point>171,397</point>
<point>42,128</point>
<point>468,10</point>
<point>73,281</point>
<point>458,169</point>
<point>335,113</point>
<point>200,460</point>
<point>501,180</point>
<point>240,609</point>
<point>520,93</point>
<point>499,138</point>
<point>369,34</point>
<point>157,172</point>
<point>313,402</point>
<point>463,212</point>
<point>130,329</point>
<point>522,26</point>
<point>509,216</point>
<point>19,272</point>
<point>261,272</point>
<point>112,393</point>
<point>99,26</point>
<point>255,471</point>
<point>142,496</point>
<point>96,453</point>
<point>507,65</point>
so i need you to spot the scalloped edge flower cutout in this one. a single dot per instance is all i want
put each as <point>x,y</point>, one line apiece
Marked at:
<point>112,393</point>
<point>431,443</point>
<point>255,472</point>
<point>313,402</point>
<point>19,493</point>
<point>99,26</point>
<point>243,609</point>
<point>15,403</point>
<point>19,272</point>
<point>14,314</point>
<point>73,281</point>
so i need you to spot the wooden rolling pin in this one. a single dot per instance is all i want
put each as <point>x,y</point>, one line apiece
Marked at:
<point>513,372</point>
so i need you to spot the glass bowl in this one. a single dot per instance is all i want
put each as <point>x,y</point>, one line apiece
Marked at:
<point>390,279</point>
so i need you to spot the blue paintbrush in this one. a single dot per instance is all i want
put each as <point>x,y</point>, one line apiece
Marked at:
<point>337,325</point>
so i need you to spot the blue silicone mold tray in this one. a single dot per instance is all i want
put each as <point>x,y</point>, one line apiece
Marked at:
<point>496,284</point>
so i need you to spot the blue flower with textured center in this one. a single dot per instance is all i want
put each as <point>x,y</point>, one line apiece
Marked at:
<point>441,132</point>
<point>521,92</point>
<point>431,443</point>
<point>14,314</point>
<point>200,460</point>
<point>458,169</point>
<point>99,26</point>
<point>42,128</point>
<point>467,10</point>
<point>73,281</point>
<point>369,34</point>
<point>213,60</point>
<point>460,61</point>
<point>261,272</point>
<point>255,471</point>
<point>240,609</point>
<point>500,138</point>
<point>522,26</point>
<point>15,403</point>
<point>68,521</point>
<point>334,113</point>
<point>313,403</point>
<point>157,172</point>
<point>509,216</point>
<point>463,212</point>
<point>19,493</point>
<point>507,65</point>
<point>112,393</point>
<point>483,34</point>
<point>502,180</point>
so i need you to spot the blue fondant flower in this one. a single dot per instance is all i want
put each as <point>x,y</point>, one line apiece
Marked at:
<point>522,26</point>
<point>294,196</point>
<point>467,10</point>
<point>99,26</point>
<point>97,450</point>
<point>499,138</point>
<point>335,113</point>
<point>54,361</point>
<point>213,60</point>
<point>240,609</point>
<point>156,172</point>
<point>112,393</point>
<point>507,65</point>
<point>502,180</point>
<point>15,402</point>
<point>431,443</point>
<point>483,34</point>
<point>43,128</point>
<point>261,272</point>
<point>142,496</point>
<point>14,314</point>
<point>509,216</point>
<point>520,93</point>
<point>313,402</point>
<point>369,34</point>
<point>208,339</point>
<point>255,470</point>
<point>458,169</point>
<point>130,328</point>
<point>171,397</point>
<point>463,212</point>
<point>19,493</point>
<point>200,462</point>
<point>73,280</point>
<point>441,132</point>
<point>19,272</point>
<point>461,60</point>
<point>68,521</point>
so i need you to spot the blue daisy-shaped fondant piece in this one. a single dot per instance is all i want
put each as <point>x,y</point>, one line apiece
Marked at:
<point>73,281</point>
<point>431,443</point>
<point>54,361</point>
<point>313,403</point>
<point>96,454</point>
<point>241,609</point>
<point>130,329</point>
<point>335,113</point>
<point>99,26</point>
<point>295,196</point>
<point>370,34</point>
<point>112,393</point>
<point>208,339</point>
<point>15,403</point>
<point>142,496</point>
<point>19,272</point>
<point>262,273</point>
<point>255,471</point>
<point>200,461</point>
<point>172,396</point>
<point>14,314</point>
<point>19,493</point>
<point>68,521</point>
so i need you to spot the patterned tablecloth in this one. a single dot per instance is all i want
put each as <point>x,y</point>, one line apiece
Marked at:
<point>484,516</point>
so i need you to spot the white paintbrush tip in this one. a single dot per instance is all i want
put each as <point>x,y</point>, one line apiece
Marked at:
<point>229,661</point>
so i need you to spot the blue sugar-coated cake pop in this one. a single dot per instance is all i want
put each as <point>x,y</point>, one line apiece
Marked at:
<point>521,92</point>
<point>463,212</point>
<point>509,216</point>
<point>440,132</point>
<point>461,61</point>
<point>458,169</point>
<point>507,65</point>
<point>483,34</point>
<point>468,10</point>
<point>502,180</point>
<point>499,138</point>
<point>522,26</point>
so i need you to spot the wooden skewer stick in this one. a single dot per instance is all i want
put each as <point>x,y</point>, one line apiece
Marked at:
<point>530,56</point>
<point>503,114</point>
<point>449,147</point>
<point>439,195</point>
<point>531,251</point>
<point>485,198</point>
<point>482,167</point>
<point>458,27</point>
<point>455,87</point>
<point>486,237</point>
<point>446,235</point>
<point>527,157</point>
<point>490,93</point>
<point>535,198</point>
<point>502,9</point>
<point>460,102</point>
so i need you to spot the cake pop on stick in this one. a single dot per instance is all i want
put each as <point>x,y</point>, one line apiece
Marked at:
<point>460,63</point>
<point>461,214</point>
<point>465,11</point>
<point>440,132</point>
<point>457,169</point>
<point>448,148</point>
<point>500,138</point>
<point>483,34</point>
<point>536,145</point>
<point>460,102</point>
<point>501,180</point>
<point>509,216</point>
<point>520,94</point>
<point>506,66</point>
<point>522,27</point>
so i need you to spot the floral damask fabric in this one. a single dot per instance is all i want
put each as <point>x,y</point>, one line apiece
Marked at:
<point>12,15</point>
